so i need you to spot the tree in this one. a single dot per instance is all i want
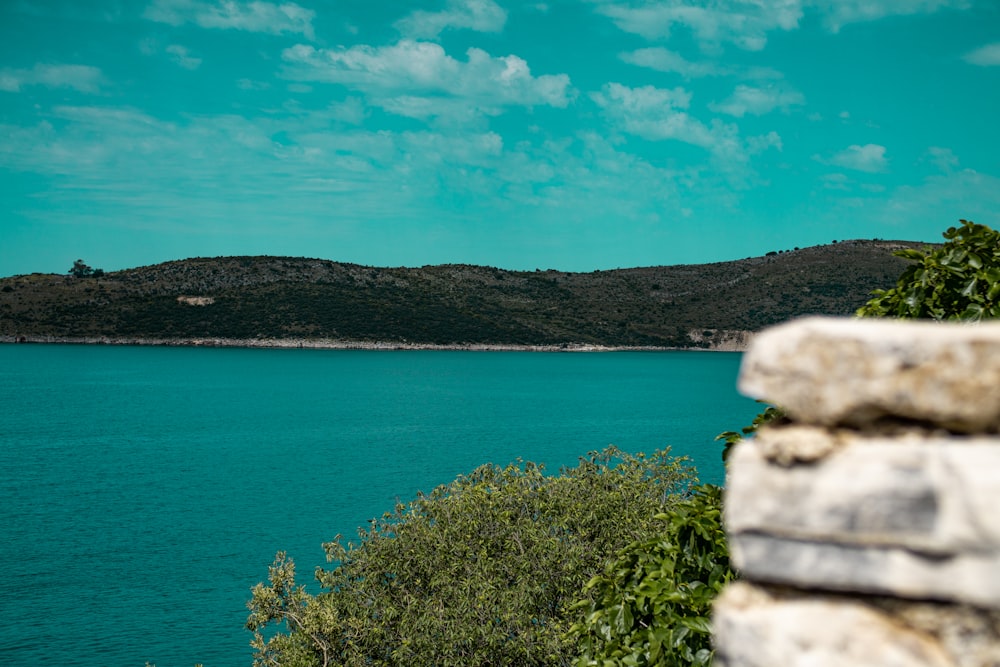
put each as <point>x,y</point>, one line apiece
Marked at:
<point>482,571</point>
<point>651,605</point>
<point>958,281</point>
<point>80,269</point>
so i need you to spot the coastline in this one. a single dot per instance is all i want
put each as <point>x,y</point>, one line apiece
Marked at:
<point>338,344</point>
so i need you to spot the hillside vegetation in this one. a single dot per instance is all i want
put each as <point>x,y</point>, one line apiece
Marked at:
<point>287,297</point>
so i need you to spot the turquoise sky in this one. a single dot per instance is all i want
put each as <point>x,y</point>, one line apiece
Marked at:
<point>568,134</point>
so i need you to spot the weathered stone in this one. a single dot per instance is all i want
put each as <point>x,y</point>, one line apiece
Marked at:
<point>968,578</point>
<point>913,516</point>
<point>927,492</point>
<point>867,492</point>
<point>753,628</point>
<point>966,636</point>
<point>799,444</point>
<point>856,371</point>
<point>970,636</point>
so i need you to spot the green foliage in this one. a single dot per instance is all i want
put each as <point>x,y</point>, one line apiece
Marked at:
<point>651,605</point>
<point>771,415</point>
<point>80,269</point>
<point>482,571</point>
<point>958,281</point>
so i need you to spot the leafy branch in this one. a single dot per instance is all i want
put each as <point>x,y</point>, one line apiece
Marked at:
<point>958,281</point>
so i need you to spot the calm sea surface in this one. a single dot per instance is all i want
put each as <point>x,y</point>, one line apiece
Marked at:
<point>143,491</point>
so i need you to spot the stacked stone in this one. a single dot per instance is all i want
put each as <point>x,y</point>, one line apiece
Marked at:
<point>867,530</point>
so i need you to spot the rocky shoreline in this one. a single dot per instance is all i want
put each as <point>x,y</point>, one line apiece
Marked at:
<point>335,344</point>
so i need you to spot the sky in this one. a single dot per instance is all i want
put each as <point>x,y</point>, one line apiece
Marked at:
<point>568,134</point>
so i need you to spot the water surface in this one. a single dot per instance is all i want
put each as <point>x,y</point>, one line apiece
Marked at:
<point>143,491</point>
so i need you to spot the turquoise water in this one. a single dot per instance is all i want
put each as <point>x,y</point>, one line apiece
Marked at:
<point>143,491</point>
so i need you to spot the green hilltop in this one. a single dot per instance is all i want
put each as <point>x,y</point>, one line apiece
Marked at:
<point>703,305</point>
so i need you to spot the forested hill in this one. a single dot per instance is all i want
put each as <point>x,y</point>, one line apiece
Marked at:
<point>287,297</point>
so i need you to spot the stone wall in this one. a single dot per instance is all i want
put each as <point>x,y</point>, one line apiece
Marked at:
<point>867,530</point>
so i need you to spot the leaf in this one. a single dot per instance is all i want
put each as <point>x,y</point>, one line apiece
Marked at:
<point>623,619</point>
<point>994,291</point>
<point>698,624</point>
<point>973,313</point>
<point>909,253</point>
<point>970,288</point>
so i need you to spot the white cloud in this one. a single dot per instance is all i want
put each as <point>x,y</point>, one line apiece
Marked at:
<point>254,16</point>
<point>761,143</point>
<point>450,110</point>
<point>838,13</point>
<point>183,57</point>
<point>658,114</point>
<point>943,158</point>
<point>295,171</point>
<point>836,181</point>
<point>83,78</point>
<point>251,84</point>
<point>477,149</point>
<point>870,158</point>
<point>351,111</point>
<point>415,78</point>
<point>744,23</point>
<point>652,113</point>
<point>986,56</point>
<point>942,199</point>
<point>757,101</point>
<point>478,15</point>
<point>230,177</point>
<point>69,10</point>
<point>90,139</point>
<point>664,60</point>
<point>148,46</point>
<point>178,54</point>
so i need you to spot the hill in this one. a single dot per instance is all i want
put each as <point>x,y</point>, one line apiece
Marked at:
<point>703,305</point>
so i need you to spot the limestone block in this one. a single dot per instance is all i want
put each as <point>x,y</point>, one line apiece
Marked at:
<point>970,636</point>
<point>913,516</point>
<point>968,578</point>
<point>796,443</point>
<point>855,371</point>
<point>752,628</point>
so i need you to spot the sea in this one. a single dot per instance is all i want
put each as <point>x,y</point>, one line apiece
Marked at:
<point>145,490</point>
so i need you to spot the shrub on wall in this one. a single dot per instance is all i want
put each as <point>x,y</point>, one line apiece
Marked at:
<point>651,606</point>
<point>958,281</point>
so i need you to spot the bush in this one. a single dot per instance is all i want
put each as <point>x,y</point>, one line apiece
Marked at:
<point>482,571</point>
<point>771,415</point>
<point>652,604</point>
<point>958,281</point>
